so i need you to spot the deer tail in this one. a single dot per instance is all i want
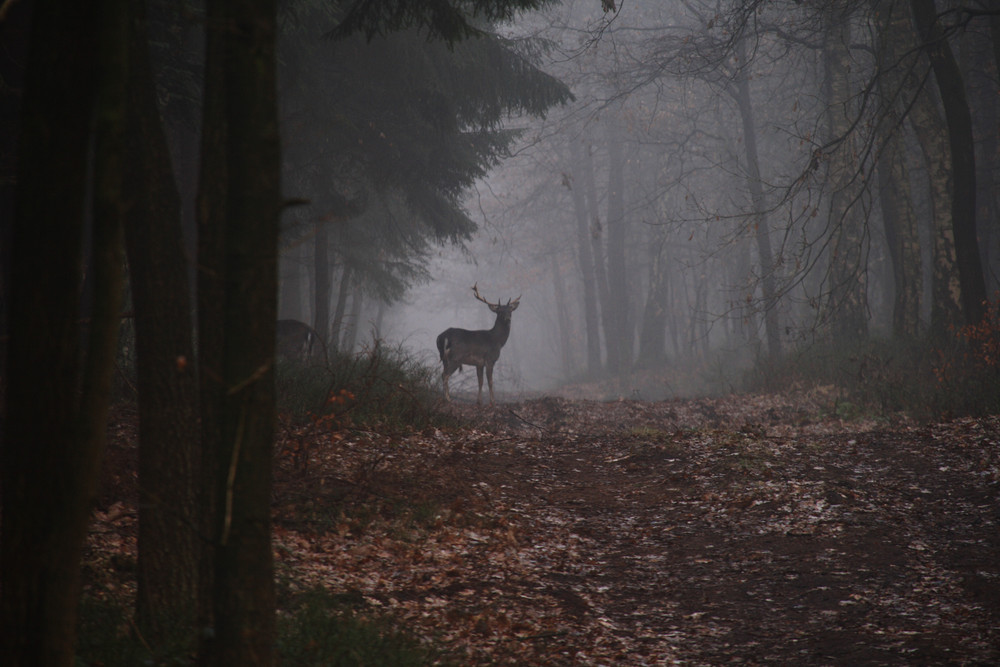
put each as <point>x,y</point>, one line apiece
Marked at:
<point>443,345</point>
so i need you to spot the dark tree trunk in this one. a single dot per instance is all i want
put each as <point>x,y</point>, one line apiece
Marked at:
<point>898,215</point>
<point>16,30</point>
<point>168,546</point>
<point>847,299</point>
<point>928,126</point>
<point>240,95</point>
<point>762,234</point>
<point>54,430</point>
<point>963,161</point>
<point>213,186</point>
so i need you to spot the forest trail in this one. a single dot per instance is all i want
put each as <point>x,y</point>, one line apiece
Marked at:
<point>701,532</point>
<point>707,531</point>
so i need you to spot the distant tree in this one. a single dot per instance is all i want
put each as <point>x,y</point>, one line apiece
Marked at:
<point>847,299</point>
<point>739,89</point>
<point>895,195</point>
<point>618,325</point>
<point>387,134</point>
<point>585,258</point>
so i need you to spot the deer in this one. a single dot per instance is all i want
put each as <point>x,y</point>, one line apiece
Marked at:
<point>297,341</point>
<point>480,348</point>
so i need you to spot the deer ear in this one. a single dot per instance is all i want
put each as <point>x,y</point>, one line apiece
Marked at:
<point>494,306</point>
<point>513,305</point>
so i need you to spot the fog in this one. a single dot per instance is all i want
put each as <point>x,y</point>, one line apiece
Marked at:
<point>730,184</point>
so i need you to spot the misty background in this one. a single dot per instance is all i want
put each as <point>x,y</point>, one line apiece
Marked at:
<point>679,191</point>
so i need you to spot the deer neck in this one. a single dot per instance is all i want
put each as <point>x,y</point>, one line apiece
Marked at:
<point>500,330</point>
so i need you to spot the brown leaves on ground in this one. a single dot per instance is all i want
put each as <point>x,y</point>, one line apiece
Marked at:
<point>745,529</point>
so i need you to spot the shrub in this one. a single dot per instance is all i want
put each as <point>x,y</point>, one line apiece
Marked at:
<point>880,377</point>
<point>967,370</point>
<point>379,386</point>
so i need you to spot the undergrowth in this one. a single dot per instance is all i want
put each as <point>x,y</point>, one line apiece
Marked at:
<point>381,386</point>
<point>925,379</point>
<point>316,628</point>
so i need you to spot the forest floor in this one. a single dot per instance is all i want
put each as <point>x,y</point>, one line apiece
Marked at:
<point>746,529</point>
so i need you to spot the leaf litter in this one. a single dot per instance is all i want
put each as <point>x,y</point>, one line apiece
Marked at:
<point>747,529</point>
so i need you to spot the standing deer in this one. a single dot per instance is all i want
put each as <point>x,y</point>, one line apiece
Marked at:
<point>476,348</point>
<point>298,341</point>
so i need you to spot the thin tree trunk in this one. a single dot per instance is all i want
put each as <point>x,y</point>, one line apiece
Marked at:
<point>652,335</point>
<point>565,338</point>
<point>760,225</point>
<point>928,126</point>
<point>586,259</point>
<point>338,314</point>
<point>618,335</point>
<point>898,215</point>
<point>322,273</point>
<point>847,297</point>
<point>354,320</point>
<point>597,242</point>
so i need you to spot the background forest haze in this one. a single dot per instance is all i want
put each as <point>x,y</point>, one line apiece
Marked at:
<point>729,186</point>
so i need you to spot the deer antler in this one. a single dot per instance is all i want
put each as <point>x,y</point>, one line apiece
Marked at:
<point>475,290</point>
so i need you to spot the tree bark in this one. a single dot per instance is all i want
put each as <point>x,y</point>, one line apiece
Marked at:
<point>928,126</point>
<point>54,430</point>
<point>963,161</point>
<point>212,199</point>
<point>168,433</point>
<point>240,223</point>
<point>244,596</point>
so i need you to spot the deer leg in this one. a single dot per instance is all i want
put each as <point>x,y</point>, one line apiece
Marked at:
<point>444,379</point>
<point>479,376</point>
<point>489,380</point>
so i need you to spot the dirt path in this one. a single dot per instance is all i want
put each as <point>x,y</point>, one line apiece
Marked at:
<point>567,532</point>
<point>687,532</point>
